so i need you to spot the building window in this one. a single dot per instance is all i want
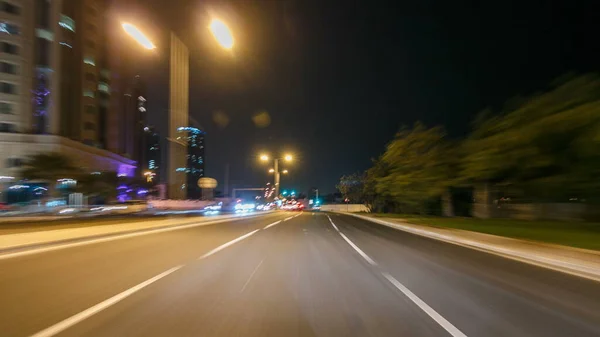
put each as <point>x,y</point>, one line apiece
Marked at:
<point>89,93</point>
<point>9,28</point>
<point>7,127</point>
<point>8,68</point>
<point>89,60</point>
<point>44,34</point>
<point>14,162</point>
<point>6,108</point>
<point>10,8</point>
<point>89,126</point>
<point>103,87</point>
<point>67,23</point>
<point>8,88</point>
<point>10,48</point>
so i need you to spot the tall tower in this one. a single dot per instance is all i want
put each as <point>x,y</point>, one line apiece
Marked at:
<point>178,117</point>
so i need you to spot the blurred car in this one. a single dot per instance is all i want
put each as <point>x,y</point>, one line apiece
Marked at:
<point>4,207</point>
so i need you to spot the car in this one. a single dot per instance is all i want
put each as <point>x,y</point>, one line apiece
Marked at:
<point>4,207</point>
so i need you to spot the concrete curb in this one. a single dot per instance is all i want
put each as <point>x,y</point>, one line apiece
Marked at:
<point>555,263</point>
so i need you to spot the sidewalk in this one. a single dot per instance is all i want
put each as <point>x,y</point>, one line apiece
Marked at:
<point>11,242</point>
<point>575,261</point>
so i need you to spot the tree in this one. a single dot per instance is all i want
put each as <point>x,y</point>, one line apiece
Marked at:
<point>547,147</point>
<point>351,187</point>
<point>414,169</point>
<point>98,185</point>
<point>49,167</point>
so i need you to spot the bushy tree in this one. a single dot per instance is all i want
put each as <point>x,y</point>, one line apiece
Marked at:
<point>547,146</point>
<point>413,170</point>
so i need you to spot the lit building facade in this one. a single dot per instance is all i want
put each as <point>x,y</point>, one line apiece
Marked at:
<point>193,138</point>
<point>55,84</point>
<point>151,161</point>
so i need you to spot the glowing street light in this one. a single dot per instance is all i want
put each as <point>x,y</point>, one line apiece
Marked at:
<point>284,171</point>
<point>137,35</point>
<point>264,157</point>
<point>288,157</point>
<point>271,170</point>
<point>221,33</point>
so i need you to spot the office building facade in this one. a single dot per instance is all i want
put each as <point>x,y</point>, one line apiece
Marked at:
<point>55,84</point>
<point>193,138</point>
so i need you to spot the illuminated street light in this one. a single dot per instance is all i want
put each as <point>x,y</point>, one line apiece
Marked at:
<point>221,33</point>
<point>284,171</point>
<point>137,35</point>
<point>288,157</point>
<point>264,157</point>
<point>271,170</point>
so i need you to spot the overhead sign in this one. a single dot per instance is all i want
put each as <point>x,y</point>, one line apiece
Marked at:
<point>207,182</point>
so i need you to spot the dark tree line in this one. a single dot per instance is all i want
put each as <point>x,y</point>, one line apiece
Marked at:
<point>545,147</point>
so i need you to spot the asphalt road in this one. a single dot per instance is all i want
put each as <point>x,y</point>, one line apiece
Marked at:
<point>307,276</point>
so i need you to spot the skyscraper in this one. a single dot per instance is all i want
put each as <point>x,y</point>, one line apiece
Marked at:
<point>193,138</point>
<point>151,160</point>
<point>55,84</point>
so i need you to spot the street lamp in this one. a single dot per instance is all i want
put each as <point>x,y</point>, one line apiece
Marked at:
<point>221,33</point>
<point>275,169</point>
<point>138,36</point>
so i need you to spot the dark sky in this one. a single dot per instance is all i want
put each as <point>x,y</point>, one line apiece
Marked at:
<point>338,78</point>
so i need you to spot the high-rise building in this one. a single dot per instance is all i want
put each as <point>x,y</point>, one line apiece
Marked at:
<point>151,161</point>
<point>193,138</point>
<point>55,83</point>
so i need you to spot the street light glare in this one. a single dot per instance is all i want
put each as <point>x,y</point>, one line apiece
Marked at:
<point>221,33</point>
<point>271,170</point>
<point>264,157</point>
<point>284,171</point>
<point>137,35</point>
<point>288,157</point>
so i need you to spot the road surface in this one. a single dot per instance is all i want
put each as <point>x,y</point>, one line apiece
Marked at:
<point>311,275</point>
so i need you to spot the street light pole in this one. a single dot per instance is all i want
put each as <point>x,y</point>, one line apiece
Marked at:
<point>276,174</point>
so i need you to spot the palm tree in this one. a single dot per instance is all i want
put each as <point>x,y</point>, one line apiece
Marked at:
<point>49,167</point>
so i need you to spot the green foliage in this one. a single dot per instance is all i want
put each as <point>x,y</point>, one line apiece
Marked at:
<point>413,171</point>
<point>49,167</point>
<point>352,187</point>
<point>547,146</point>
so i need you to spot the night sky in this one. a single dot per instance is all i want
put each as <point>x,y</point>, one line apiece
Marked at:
<point>338,78</point>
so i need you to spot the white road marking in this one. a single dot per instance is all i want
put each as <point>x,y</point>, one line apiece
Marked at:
<point>227,244</point>
<point>273,224</point>
<point>365,256</point>
<point>358,250</point>
<point>69,322</point>
<point>334,226</point>
<point>110,238</point>
<point>286,219</point>
<point>452,330</point>
<point>251,275</point>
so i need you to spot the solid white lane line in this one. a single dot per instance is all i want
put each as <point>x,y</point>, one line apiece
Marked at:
<point>67,323</point>
<point>452,330</point>
<point>334,226</point>
<point>273,224</point>
<point>251,275</point>
<point>365,256</point>
<point>286,219</point>
<point>115,236</point>
<point>225,245</point>
<point>358,250</point>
